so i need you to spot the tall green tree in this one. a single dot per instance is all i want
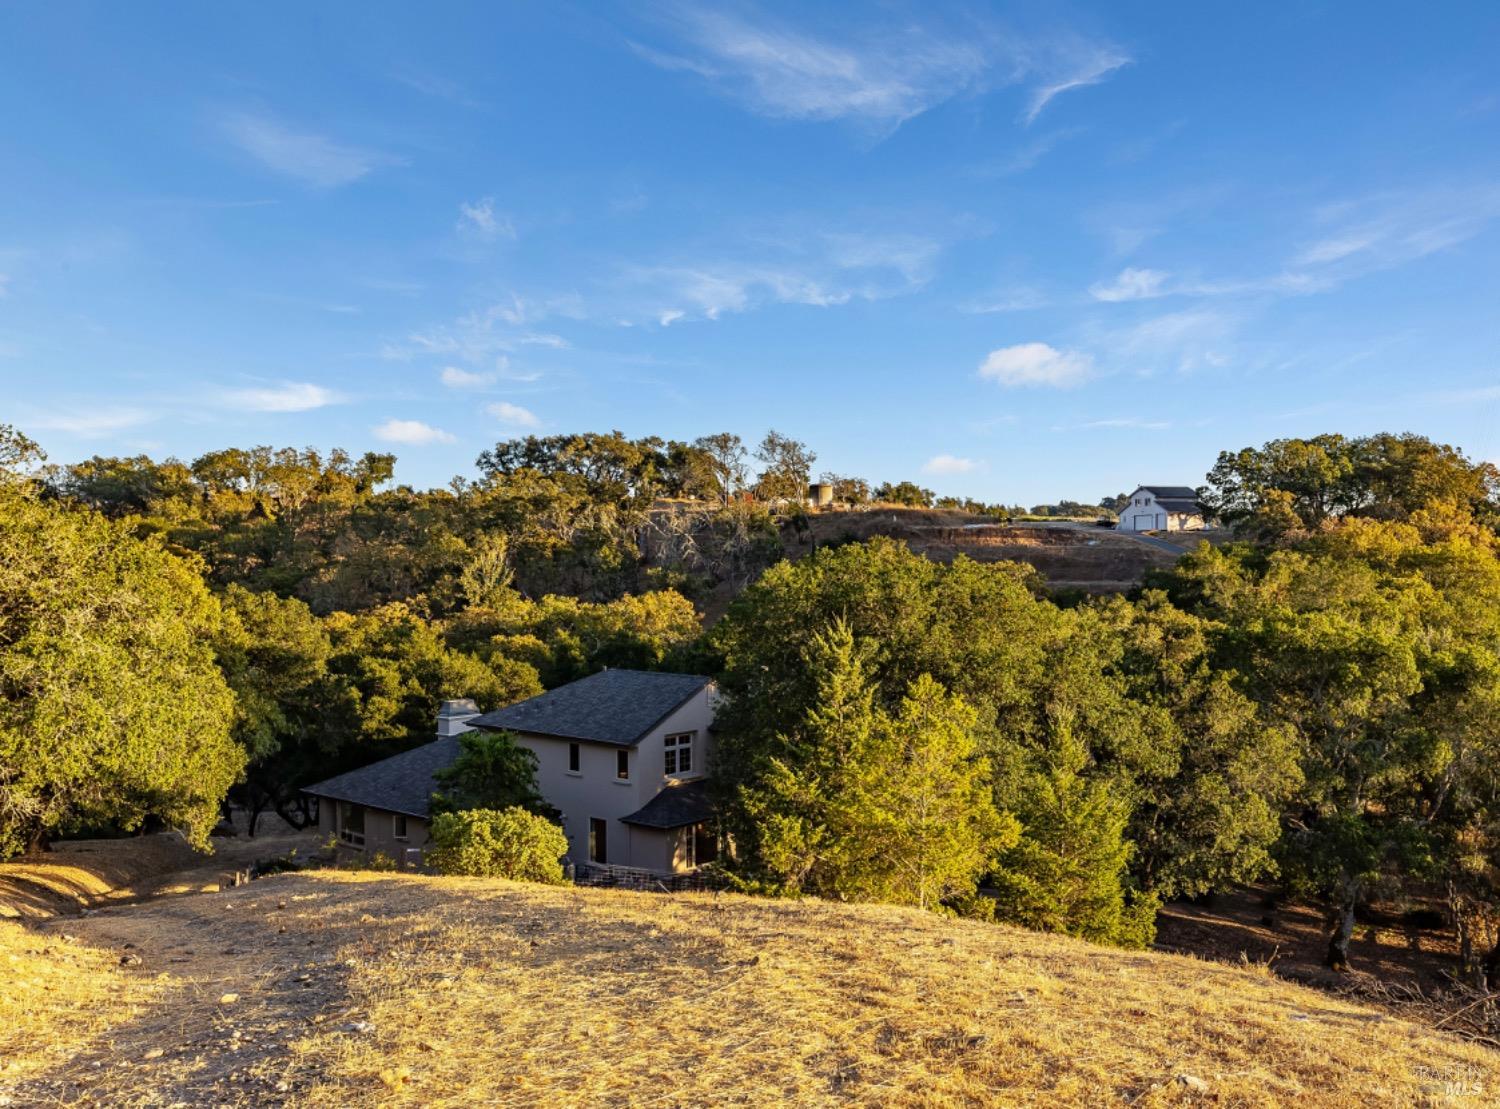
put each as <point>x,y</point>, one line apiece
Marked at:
<point>112,709</point>
<point>1374,644</point>
<point>787,465</point>
<point>1068,871</point>
<point>978,630</point>
<point>1292,484</point>
<point>862,805</point>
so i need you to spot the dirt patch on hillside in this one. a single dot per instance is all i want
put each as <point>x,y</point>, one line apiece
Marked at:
<point>1093,559</point>
<point>82,874</point>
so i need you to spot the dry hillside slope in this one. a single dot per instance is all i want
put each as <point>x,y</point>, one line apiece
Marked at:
<point>332,988</point>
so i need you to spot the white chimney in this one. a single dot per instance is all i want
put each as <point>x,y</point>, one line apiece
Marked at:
<point>453,718</point>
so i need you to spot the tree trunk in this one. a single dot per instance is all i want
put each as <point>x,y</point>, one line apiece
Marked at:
<point>1492,967</point>
<point>1343,932</point>
<point>38,840</point>
<point>295,813</point>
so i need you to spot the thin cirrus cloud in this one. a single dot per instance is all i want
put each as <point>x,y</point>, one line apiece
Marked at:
<point>290,396</point>
<point>820,271</point>
<point>412,433</point>
<point>480,220</point>
<point>1131,284</point>
<point>87,424</point>
<point>456,378</point>
<point>513,414</point>
<point>304,156</point>
<point>1036,364</point>
<point>1083,64</point>
<point>886,74</point>
<point>946,465</point>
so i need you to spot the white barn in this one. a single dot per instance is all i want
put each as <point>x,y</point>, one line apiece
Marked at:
<point>1162,508</point>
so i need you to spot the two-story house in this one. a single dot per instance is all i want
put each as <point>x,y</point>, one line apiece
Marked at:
<point>622,755</point>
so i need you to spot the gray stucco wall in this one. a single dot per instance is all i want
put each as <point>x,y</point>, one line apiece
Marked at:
<point>379,835</point>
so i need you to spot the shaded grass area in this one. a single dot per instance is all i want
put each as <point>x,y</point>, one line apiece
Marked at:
<point>366,989</point>
<point>78,873</point>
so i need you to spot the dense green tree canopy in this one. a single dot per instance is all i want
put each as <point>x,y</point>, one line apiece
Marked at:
<point>1292,484</point>
<point>112,709</point>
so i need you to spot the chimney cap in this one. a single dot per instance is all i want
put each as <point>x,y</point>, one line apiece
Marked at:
<point>461,706</point>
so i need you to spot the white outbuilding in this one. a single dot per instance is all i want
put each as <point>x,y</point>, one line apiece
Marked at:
<point>1162,508</point>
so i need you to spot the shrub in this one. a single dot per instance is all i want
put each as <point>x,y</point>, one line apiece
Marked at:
<point>509,843</point>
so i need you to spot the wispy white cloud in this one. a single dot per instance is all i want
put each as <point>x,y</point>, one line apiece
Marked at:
<point>1125,422</point>
<point>435,85</point>
<point>1036,364</point>
<point>944,465</point>
<point>413,433</point>
<point>1081,64</point>
<point>1392,229</point>
<point>1130,284</point>
<point>1027,155</point>
<point>455,378</point>
<point>1184,342</point>
<point>291,396</point>
<point>822,270</point>
<point>1018,298</point>
<point>303,155</point>
<point>884,73</point>
<point>1351,240</point>
<point>490,332</point>
<point>88,423</point>
<point>482,221</point>
<point>513,414</point>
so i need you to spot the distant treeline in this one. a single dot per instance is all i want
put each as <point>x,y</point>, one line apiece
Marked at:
<point>1312,703</point>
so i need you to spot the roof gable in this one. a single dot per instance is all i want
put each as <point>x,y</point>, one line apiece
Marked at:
<point>403,783</point>
<point>618,707</point>
<point>1172,492</point>
<point>676,805</point>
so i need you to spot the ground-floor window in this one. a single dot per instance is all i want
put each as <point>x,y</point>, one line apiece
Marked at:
<point>351,823</point>
<point>398,826</point>
<point>598,847</point>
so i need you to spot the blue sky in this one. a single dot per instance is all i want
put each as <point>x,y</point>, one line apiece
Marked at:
<point>1017,252</point>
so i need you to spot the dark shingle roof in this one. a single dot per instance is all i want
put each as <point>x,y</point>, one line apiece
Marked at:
<point>1176,498</point>
<point>402,783</point>
<point>676,806</point>
<point>613,706</point>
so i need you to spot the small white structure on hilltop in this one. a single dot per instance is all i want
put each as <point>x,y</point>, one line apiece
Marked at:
<point>1162,508</point>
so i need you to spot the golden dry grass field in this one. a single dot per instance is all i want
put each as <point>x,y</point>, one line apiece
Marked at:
<point>332,988</point>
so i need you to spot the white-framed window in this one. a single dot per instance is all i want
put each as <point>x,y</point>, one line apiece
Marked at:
<point>679,753</point>
<point>622,766</point>
<point>398,825</point>
<point>351,823</point>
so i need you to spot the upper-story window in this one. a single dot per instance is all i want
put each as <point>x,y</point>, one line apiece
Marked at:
<point>622,765</point>
<point>679,756</point>
<point>573,758</point>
